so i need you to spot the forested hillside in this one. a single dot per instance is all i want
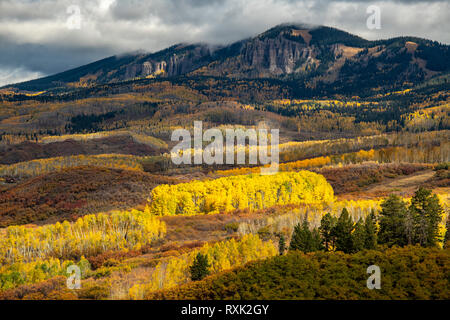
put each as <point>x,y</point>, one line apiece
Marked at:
<point>88,181</point>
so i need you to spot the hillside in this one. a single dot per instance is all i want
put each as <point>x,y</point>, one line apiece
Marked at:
<point>311,56</point>
<point>88,177</point>
<point>74,192</point>
<point>407,273</point>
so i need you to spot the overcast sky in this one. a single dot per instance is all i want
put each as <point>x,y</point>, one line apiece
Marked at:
<point>42,37</point>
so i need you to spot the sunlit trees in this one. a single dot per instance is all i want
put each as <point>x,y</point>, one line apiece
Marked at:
<point>19,273</point>
<point>240,192</point>
<point>220,256</point>
<point>89,235</point>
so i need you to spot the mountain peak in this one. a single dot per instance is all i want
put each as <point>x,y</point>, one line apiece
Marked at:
<point>315,54</point>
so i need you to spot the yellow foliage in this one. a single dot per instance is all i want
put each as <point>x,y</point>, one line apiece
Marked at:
<point>221,256</point>
<point>251,191</point>
<point>89,235</point>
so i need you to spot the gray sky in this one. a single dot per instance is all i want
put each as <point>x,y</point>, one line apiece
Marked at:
<point>37,37</point>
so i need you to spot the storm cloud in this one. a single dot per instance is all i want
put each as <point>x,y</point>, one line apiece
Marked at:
<point>39,38</point>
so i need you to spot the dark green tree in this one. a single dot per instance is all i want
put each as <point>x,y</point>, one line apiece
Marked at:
<point>303,239</point>
<point>392,221</point>
<point>371,232</point>
<point>447,233</point>
<point>282,244</point>
<point>200,267</point>
<point>359,236</point>
<point>326,231</point>
<point>316,241</point>
<point>343,232</point>
<point>426,213</point>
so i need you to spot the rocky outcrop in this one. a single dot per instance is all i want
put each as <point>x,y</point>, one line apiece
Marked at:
<point>182,60</point>
<point>319,54</point>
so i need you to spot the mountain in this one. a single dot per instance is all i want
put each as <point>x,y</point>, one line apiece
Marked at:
<point>312,56</point>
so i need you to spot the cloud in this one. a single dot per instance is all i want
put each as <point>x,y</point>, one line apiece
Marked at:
<point>14,75</point>
<point>35,38</point>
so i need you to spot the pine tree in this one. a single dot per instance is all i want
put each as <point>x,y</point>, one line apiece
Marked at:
<point>371,232</point>
<point>200,267</point>
<point>305,240</point>
<point>359,236</point>
<point>447,233</point>
<point>316,241</point>
<point>299,236</point>
<point>343,232</point>
<point>392,221</point>
<point>426,213</point>
<point>282,244</point>
<point>326,231</point>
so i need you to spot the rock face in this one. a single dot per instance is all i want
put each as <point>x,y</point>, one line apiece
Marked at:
<point>318,55</point>
<point>268,57</point>
<point>312,55</point>
<point>180,60</point>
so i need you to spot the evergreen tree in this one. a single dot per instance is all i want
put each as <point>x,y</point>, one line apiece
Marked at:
<point>200,267</point>
<point>426,212</point>
<point>343,232</point>
<point>300,236</point>
<point>371,232</point>
<point>282,244</point>
<point>447,233</point>
<point>305,240</point>
<point>326,231</point>
<point>316,241</point>
<point>392,221</point>
<point>359,236</point>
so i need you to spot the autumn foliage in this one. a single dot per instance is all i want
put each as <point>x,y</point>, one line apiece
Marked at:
<point>240,192</point>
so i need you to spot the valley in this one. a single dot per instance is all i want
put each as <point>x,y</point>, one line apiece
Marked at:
<point>87,178</point>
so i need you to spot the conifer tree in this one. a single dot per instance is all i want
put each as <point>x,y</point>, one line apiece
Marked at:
<point>200,267</point>
<point>447,233</point>
<point>326,231</point>
<point>392,221</point>
<point>426,212</point>
<point>305,240</point>
<point>282,244</point>
<point>359,236</point>
<point>343,232</point>
<point>316,241</point>
<point>371,232</point>
<point>299,236</point>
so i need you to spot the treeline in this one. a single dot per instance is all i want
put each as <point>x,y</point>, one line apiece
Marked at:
<point>430,154</point>
<point>240,192</point>
<point>424,141</point>
<point>420,223</point>
<point>42,166</point>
